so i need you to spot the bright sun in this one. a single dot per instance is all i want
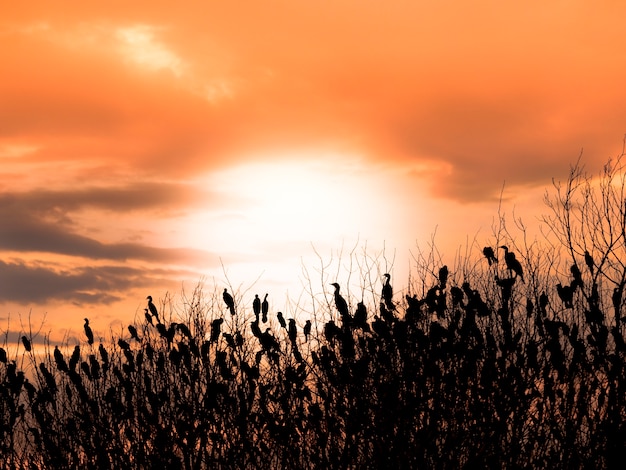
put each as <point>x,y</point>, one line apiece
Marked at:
<point>293,200</point>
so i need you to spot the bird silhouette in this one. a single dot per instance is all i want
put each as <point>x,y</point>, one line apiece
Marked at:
<point>153,309</point>
<point>88,331</point>
<point>512,263</point>
<point>307,330</point>
<point>265,308</point>
<point>360,316</point>
<point>148,316</point>
<point>292,331</point>
<point>281,320</point>
<point>133,332</point>
<point>216,327</point>
<point>589,261</point>
<point>387,292</point>
<point>60,360</point>
<point>26,343</point>
<point>3,356</point>
<point>566,294</point>
<point>577,277</point>
<point>256,306</point>
<point>340,302</point>
<point>230,302</point>
<point>490,255</point>
<point>443,276</point>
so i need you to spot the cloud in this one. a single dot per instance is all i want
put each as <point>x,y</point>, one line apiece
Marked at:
<point>160,91</point>
<point>139,196</point>
<point>103,285</point>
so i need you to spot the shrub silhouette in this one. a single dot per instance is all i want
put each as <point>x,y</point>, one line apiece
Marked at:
<point>478,369</point>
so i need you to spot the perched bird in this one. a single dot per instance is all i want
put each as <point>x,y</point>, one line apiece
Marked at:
<point>75,357</point>
<point>60,360</point>
<point>577,277</point>
<point>387,292</point>
<point>589,261</point>
<point>307,330</point>
<point>340,302</point>
<point>216,327</point>
<point>26,343</point>
<point>443,276</point>
<point>292,331</point>
<point>490,255</point>
<point>265,306</point>
<point>3,356</point>
<point>566,294</point>
<point>133,332</point>
<point>88,331</point>
<point>360,316</point>
<point>281,320</point>
<point>256,306</point>
<point>123,344</point>
<point>153,309</point>
<point>512,264</point>
<point>230,302</point>
<point>148,316</point>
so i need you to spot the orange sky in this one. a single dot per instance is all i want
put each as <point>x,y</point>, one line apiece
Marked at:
<point>145,146</point>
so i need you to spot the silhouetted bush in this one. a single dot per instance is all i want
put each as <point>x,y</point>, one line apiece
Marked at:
<point>483,365</point>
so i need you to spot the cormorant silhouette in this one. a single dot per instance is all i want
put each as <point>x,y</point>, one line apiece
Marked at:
<point>153,309</point>
<point>26,343</point>
<point>60,360</point>
<point>360,317</point>
<point>387,292</point>
<point>256,306</point>
<point>88,331</point>
<point>133,332</point>
<point>281,320</point>
<point>443,276</point>
<point>512,264</point>
<point>340,302</point>
<point>230,302</point>
<point>148,316</point>
<point>566,294</point>
<point>292,331</point>
<point>265,306</point>
<point>216,327</point>
<point>589,261</point>
<point>3,356</point>
<point>307,330</point>
<point>490,255</point>
<point>577,277</point>
<point>123,344</point>
<point>75,357</point>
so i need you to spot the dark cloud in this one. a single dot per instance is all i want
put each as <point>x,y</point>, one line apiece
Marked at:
<point>26,283</point>
<point>29,234</point>
<point>151,196</point>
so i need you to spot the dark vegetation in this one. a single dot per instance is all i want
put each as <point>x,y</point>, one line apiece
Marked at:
<point>513,359</point>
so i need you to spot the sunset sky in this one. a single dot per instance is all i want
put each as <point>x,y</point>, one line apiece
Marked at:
<point>145,146</point>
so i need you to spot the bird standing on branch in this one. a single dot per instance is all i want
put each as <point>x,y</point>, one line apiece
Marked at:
<point>512,263</point>
<point>26,343</point>
<point>387,293</point>
<point>265,306</point>
<point>88,331</point>
<point>256,306</point>
<point>153,309</point>
<point>490,255</point>
<point>230,302</point>
<point>589,261</point>
<point>340,302</point>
